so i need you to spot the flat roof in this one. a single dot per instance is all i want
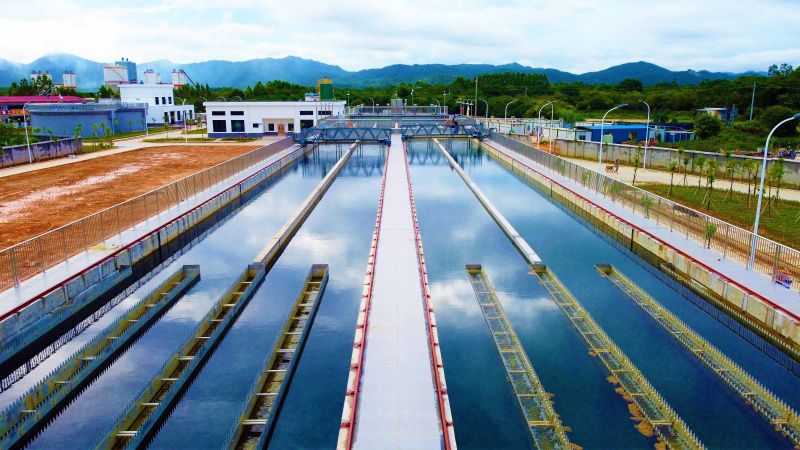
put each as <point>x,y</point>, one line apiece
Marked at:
<point>272,103</point>
<point>14,99</point>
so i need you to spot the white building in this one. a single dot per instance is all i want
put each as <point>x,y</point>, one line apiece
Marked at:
<point>36,74</point>
<point>160,102</point>
<point>178,77</point>
<point>151,77</point>
<point>255,119</point>
<point>68,79</point>
<point>114,74</point>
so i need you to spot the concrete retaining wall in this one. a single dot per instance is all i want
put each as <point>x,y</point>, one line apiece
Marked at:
<point>758,314</point>
<point>101,277</point>
<point>18,154</point>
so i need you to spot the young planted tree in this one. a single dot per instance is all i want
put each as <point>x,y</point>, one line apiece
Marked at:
<point>701,164</point>
<point>673,167</point>
<point>709,232</point>
<point>647,202</point>
<point>637,159</point>
<point>731,167</point>
<point>748,168</point>
<point>775,175</point>
<point>711,176</point>
<point>685,160</point>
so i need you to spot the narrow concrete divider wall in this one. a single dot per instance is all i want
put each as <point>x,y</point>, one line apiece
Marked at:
<point>774,323</point>
<point>26,324</point>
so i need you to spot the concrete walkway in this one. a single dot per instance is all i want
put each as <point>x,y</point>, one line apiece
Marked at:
<point>398,404</point>
<point>757,282</point>
<point>659,176</point>
<point>126,145</point>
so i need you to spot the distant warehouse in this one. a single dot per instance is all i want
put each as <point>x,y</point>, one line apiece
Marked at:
<point>89,119</point>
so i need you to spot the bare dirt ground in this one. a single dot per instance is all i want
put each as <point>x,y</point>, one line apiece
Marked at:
<point>35,202</point>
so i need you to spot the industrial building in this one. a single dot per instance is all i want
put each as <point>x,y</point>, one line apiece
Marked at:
<point>36,74</point>
<point>91,119</point>
<point>12,108</point>
<point>179,78</point>
<point>159,98</point>
<point>68,80</point>
<point>121,72</point>
<point>255,119</point>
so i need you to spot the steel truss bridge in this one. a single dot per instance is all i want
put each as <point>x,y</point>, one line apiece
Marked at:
<point>383,135</point>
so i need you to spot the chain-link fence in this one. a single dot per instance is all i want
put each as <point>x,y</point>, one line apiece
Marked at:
<point>28,258</point>
<point>778,261</point>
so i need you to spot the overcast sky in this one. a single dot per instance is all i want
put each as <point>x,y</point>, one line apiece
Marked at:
<point>577,36</point>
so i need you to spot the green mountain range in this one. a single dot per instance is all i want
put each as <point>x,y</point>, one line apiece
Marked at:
<point>219,73</point>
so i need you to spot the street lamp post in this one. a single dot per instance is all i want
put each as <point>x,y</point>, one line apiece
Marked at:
<point>505,111</point>
<point>27,139</point>
<point>646,134</point>
<point>752,260</point>
<point>185,129</point>
<point>539,122</point>
<point>204,104</point>
<point>487,107</point>
<point>602,126</point>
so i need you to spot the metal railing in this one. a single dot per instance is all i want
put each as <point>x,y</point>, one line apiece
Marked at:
<point>33,256</point>
<point>773,259</point>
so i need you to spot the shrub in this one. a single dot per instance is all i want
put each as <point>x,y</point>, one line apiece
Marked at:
<point>774,115</point>
<point>706,126</point>
<point>753,127</point>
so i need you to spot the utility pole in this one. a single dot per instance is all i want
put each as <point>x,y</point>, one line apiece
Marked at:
<point>475,112</point>
<point>753,101</point>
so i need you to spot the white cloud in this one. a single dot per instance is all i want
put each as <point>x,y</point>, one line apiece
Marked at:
<point>584,36</point>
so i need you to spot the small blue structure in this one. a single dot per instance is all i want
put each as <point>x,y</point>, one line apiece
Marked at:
<point>618,133</point>
<point>60,119</point>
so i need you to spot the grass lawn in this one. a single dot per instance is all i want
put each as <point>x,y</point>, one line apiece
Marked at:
<point>178,140</point>
<point>238,139</point>
<point>778,224</point>
<point>198,131</point>
<point>115,136</point>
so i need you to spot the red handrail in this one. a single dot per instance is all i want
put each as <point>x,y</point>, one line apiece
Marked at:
<point>640,230</point>
<point>448,432</point>
<point>354,386</point>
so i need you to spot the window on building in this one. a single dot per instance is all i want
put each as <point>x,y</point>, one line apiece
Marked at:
<point>291,127</point>
<point>164,100</point>
<point>156,100</point>
<point>324,113</point>
<point>237,113</point>
<point>306,113</point>
<point>172,117</point>
<point>237,126</point>
<point>270,127</point>
<point>217,113</point>
<point>179,115</point>
<point>170,100</point>
<point>255,125</point>
<point>219,126</point>
<point>306,124</point>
